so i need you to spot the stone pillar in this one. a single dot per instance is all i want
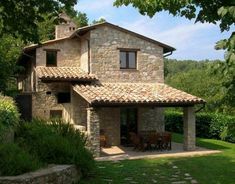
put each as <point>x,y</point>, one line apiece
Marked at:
<point>93,130</point>
<point>189,129</point>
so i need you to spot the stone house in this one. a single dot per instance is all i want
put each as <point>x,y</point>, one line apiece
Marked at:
<point>102,77</point>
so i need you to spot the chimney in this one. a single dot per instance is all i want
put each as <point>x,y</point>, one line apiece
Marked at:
<point>66,26</point>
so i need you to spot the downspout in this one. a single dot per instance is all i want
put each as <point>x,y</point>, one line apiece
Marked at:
<point>89,55</point>
<point>202,107</point>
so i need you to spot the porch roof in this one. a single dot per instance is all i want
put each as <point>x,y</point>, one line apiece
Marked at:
<point>135,93</point>
<point>63,73</point>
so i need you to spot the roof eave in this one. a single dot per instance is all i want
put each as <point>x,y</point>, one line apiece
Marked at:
<point>52,79</point>
<point>147,104</point>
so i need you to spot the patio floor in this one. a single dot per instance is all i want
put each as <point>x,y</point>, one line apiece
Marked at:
<point>122,153</point>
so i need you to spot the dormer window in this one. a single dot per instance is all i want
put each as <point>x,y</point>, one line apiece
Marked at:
<point>51,58</point>
<point>128,59</point>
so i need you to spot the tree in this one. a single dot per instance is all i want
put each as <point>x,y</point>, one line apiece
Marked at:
<point>79,18</point>
<point>19,21</point>
<point>21,17</point>
<point>101,20</point>
<point>198,79</point>
<point>10,49</point>
<point>220,12</point>
<point>46,28</point>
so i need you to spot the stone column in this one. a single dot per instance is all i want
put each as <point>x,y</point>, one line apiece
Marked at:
<point>93,130</point>
<point>189,129</point>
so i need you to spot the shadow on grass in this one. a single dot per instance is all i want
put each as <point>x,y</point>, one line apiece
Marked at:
<point>217,168</point>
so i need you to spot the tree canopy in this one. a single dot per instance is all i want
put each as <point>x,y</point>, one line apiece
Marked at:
<point>20,18</point>
<point>198,78</point>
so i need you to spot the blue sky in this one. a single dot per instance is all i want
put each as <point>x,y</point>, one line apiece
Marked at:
<point>192,41</point>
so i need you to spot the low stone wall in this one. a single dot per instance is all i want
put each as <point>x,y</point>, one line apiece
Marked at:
<point>58,174</point>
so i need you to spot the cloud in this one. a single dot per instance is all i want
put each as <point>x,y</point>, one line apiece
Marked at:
<point>182,34</point>
<point>85,6</point>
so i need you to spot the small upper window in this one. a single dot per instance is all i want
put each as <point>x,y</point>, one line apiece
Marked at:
<point>128,59</point>
<point>51,58</point>
<point>64,97</point>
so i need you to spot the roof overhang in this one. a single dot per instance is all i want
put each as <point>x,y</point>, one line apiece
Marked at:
<point>64,74</point>
<point>135,94</point>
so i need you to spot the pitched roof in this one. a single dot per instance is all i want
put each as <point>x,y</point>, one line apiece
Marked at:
<point>63,73</point>
<point>135,93</point>
<point>82,30</point>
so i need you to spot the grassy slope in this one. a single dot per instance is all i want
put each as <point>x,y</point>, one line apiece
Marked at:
<point>217,168</point>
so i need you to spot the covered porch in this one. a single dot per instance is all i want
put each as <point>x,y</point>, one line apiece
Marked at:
<point>106,102</point>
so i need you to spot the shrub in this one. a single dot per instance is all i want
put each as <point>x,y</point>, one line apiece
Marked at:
<point>228,133</point>
<point>15,161</point>
<point>173,121</point>
<point>55,143</point>
<point>208,125</point>
<point>9,115</point>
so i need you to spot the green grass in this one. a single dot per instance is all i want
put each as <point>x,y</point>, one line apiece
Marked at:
<point>217,168</point>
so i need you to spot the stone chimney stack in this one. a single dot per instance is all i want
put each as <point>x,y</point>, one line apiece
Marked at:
<point>66,26</point>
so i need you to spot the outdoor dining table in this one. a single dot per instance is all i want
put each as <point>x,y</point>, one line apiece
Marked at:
<point>156,140</point>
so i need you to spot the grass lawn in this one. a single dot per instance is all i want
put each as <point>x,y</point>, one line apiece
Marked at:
<point>216,168</point>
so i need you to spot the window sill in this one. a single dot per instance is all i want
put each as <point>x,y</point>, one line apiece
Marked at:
<point>129,70</point>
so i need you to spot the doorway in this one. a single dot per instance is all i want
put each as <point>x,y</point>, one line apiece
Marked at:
<point>128,122</point>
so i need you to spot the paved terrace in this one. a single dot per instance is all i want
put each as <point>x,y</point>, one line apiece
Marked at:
<point>123,153</point>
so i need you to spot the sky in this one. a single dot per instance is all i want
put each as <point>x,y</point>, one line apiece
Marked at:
<point>192,40</point>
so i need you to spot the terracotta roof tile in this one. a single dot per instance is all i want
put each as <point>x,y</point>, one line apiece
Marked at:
<point>63,73</point>
<point>133,93</point>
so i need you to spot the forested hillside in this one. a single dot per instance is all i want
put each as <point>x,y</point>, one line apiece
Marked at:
<point>199,78</point>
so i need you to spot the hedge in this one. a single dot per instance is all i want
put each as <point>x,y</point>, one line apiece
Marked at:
<point>208,125</point>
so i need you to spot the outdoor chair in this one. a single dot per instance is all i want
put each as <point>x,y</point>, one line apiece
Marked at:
<point>103,139</point>
<point>137,141</point>
<point>166,140</point>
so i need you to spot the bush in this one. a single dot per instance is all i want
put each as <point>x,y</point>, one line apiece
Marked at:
<point>9,115</point>
<point>15,161</point>
<point>55,143</point>
<point>208,125</point>
<point>228,134</point>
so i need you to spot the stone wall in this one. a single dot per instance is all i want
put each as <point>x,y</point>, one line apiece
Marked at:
<point>68,54</point>
<point>93,130</point>
<point>45,100</point>
<point>151,119</point>
<point>110,123</point>
<point>79,111</point>
<point>59,174</point>
<point>105,62</point>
